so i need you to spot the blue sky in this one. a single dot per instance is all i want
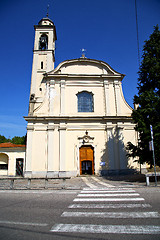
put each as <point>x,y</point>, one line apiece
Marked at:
<point>106,29</point>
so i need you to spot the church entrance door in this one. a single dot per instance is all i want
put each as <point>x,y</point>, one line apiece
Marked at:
<point>86,160</point>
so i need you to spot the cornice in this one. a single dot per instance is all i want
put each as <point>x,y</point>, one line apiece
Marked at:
<point>82,76</point>
<point>77,118</point>
<point>44,26</point>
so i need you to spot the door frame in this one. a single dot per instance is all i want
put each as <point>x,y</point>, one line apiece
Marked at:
<point>93,161</point>
<point>22,162</point>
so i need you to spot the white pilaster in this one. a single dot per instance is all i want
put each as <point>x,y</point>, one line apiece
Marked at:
<point>122,152</point>
<point>51,167</point>
<point>107,97</point>
<point>62,147</point>
<point>62,97</point>
<point>51,97</point>
<point>28,165</point>
<point>34,73</point>
<point>117,97</point>
<point>110,141</point>
<point>50,147</point>
<point>96,163</point>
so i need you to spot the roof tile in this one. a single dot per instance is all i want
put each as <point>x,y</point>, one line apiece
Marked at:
<point>10,145</point>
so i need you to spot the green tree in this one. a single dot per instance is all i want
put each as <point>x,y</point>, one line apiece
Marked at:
<point>148,101</point>
<point>19,140</point>
<point>15,140</point>
<point>3,139</point>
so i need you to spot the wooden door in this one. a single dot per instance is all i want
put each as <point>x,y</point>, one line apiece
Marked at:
<point>86,160</point>
<point>19,167</point>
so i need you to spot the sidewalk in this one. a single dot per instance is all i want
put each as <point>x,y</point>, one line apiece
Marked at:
<point>39,184</point>
<point>136,180</point>
<point>75,183</point>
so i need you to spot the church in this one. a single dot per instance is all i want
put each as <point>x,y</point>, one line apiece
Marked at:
<point>78,122</point>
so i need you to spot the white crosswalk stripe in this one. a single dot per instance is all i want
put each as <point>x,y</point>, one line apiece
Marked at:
<point>109,191</point>
<point>107,194</point>
<point>110,205</point>
<point>115,201</point>
<point>112,214</point>
<point>107,199</point>
<point>90,228</point>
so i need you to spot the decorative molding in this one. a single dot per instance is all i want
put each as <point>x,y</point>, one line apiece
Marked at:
<point>106,84</point>
<point>52,83</point>
<point>109,125</point>
<point>30,128</point>
<point>86,138</point>
<point>117,96</point>
<point>62,126</point>
<point>63,83</point>
<point>40,128</point>
<point>116,83</point>
<point>62,97</point>
<point>120,125</point>
<point>51,127</point>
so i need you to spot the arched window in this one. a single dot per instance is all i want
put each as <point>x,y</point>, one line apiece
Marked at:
<point>43,42</point>
<point>85,101</point>
<point>3,161</point>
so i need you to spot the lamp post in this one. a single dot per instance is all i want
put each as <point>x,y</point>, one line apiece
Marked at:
<point>152,145</point>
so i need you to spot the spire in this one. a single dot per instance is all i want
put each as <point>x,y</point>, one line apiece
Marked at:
<point>47,11</point>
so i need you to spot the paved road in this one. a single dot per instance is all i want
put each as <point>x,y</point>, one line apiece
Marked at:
<point>99,211</point>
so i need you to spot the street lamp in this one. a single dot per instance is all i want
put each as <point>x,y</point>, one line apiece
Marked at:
<point>152,148</point>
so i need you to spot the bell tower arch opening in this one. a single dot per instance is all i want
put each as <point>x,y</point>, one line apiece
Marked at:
<point>43,42</point>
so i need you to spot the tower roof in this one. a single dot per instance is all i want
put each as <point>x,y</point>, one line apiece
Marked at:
<point>45,21</point>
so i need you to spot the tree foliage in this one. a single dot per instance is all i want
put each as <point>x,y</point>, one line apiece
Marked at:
<point>19,140</point>
<point>4,139</point>
<point>15,140</point>
<point>148,101</point>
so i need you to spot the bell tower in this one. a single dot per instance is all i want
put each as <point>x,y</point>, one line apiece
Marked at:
<point>43,58</point>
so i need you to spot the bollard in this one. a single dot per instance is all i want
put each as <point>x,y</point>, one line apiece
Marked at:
<point>63,185</point>
<point>147,180</point>
<point>12,183</point>
<point>29,183</point>
<point>46,183</point>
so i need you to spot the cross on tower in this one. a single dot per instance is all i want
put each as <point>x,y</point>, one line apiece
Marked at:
<point>83,52</point>
<point>47,11</point>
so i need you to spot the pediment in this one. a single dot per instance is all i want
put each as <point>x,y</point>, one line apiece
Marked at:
<point>83,66</point>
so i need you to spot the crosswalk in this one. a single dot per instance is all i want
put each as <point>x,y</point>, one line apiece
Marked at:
<point>103,201</point>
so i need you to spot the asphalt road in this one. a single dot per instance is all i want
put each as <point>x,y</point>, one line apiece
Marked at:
<point>93,213</point>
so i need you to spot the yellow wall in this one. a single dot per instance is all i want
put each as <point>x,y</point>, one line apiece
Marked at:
<point>11,155</point>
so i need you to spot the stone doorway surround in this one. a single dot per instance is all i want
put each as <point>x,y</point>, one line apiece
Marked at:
<point>86,160</point>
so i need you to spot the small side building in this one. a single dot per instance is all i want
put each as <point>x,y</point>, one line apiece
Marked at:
<point>12,158</point>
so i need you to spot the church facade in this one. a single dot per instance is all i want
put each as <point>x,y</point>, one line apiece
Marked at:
<point>78,121</point>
